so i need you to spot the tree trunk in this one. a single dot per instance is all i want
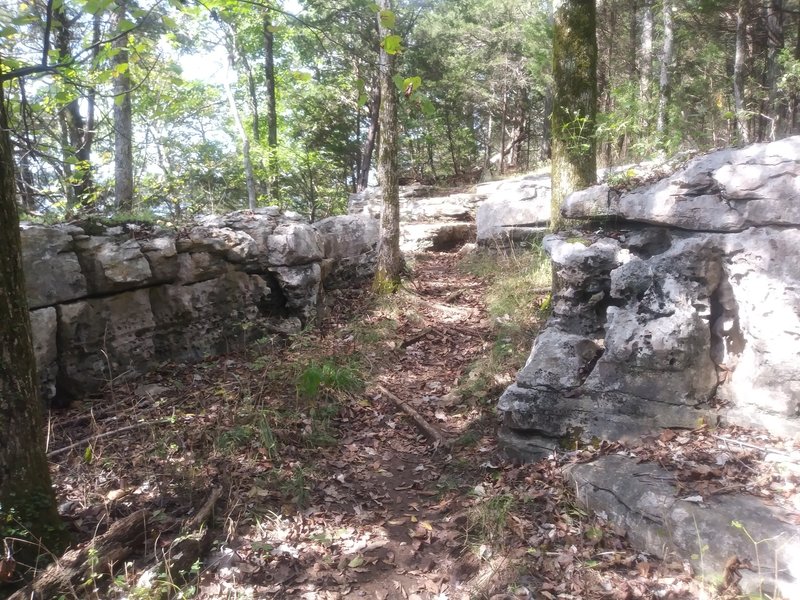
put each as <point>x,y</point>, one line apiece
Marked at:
<point>248,165</point>
<point>25,184</point>
<point>667,57</point>
<point>372,137</point>
<point>77,129</point>
<point>574,163</point>
<point>450,144</point>
<point>645,61</point>
<point>390,260</point>
<point>738,72</point>
<point>503,118</point>
<point>774,47</point>
<point>27,502</point>
<point>272,111</point>
<point>123,119</point>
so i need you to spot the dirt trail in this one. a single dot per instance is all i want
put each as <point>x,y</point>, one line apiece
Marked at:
<point>339,493</point>
<point>395,502</point>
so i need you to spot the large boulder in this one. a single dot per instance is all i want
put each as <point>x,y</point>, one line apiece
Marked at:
<point>428,221</point>
<point>662,326</point>
<point>348,243</point>
<point>727,190</point>
<point>52,270</point>
<point>515,211</point>
<point>644,500</point>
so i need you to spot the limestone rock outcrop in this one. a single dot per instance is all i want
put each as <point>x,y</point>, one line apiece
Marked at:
<point>429,221</point>
<point>108,302</point>
<point>497,214</point>
<point>516,210</point>
<point>646,501</point>
<point>684,309</point>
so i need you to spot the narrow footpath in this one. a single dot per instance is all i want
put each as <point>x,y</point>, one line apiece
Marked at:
<point>357,461</point>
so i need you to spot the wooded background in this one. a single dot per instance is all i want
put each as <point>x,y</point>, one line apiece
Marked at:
<point>170,108</point>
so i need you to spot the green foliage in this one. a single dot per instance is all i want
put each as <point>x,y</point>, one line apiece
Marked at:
<point>518,304</point>
<point>790,79</point>
<point>488,520</point>
<point>318,379</point>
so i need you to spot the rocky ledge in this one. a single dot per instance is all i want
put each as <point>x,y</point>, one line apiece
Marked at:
<point>679,306</point>
<point>108,302</point>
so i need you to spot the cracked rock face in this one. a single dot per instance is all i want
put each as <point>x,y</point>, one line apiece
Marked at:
<point>696,319</point>
<point>108,302</point>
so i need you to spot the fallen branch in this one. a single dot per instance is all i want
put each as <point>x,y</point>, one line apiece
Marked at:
<point>82,566</point>
<point>98,436</point>
<point>432,433</point>
<point>763,449</point>
<point>416,338</point>
<point>192,543</point>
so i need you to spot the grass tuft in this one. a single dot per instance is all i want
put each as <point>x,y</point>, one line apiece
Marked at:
<point>518,298</point>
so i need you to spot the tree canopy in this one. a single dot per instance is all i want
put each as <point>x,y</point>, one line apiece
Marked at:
<point>192,107</point>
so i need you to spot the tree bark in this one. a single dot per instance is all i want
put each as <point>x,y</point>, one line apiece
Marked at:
<point>503,118</point>
<point>645,60</point>
<point>123,119</point>
<point>774,46</point>
<point>667,57</point>
<point>250,179</point>
<point>372,137</point>
<point>390,261</point>
<point>98,556</point>
<point>27,500</point>
<point>272,112</point>
<point>574,161</point>
<point>738,72</point>
<point>450,144</point>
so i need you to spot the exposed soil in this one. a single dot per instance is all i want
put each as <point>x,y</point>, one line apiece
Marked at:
<point>330,489</point>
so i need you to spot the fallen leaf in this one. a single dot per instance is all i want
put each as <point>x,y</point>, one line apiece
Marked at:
<point>356,562</point>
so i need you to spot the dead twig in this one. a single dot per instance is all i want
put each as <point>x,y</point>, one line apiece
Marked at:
<point>432,433</point>
<point>763,449</point>
<point>416,338</point>
<point>98,436</point>
<point>192,543</point>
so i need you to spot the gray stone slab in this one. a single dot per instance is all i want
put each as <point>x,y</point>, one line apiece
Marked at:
<point>642,498</point>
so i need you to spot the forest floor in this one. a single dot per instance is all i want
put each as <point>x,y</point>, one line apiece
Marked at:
<point>356,460</point>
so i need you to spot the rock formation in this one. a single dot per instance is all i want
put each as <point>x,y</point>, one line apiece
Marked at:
<point>107,302</point>
<point>679,305</point>
<point>496,215</point>
<point>684,308</point>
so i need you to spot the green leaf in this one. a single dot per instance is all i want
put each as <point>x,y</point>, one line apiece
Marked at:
<point>398,81</point>
<point>387,19</point>
<point>301,75</point>
<point>88,454</point>
<point>362,99</point>
<point>391,43</point>
<point>169,22</point>
<point>414,82</point>
<point>428,109</point>
<point>356,562</point>
<point>96,6</point>
<point>121,68</point>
